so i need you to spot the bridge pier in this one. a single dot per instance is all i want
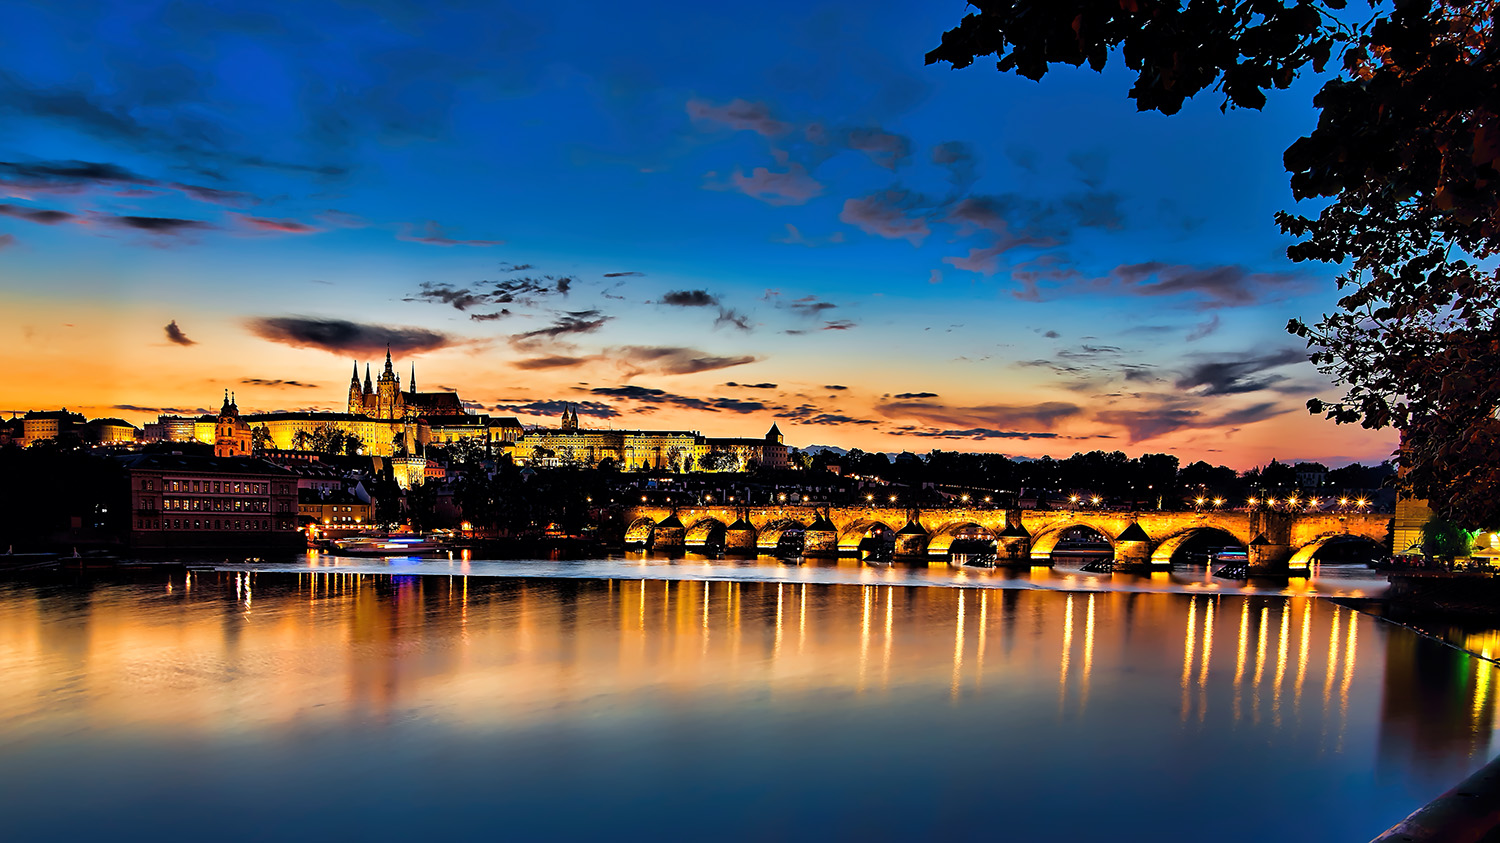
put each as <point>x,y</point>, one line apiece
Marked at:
<point>739,538</point>
<point>670,534</point>
<point>1013,547</point>
<point>1133,549</point>
<point>821,538</point>
<point>1268,559</point>
<point>911,541</point>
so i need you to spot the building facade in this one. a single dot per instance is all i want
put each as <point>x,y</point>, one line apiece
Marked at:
<point>191,502</point>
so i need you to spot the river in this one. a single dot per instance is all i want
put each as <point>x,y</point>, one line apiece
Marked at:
<point>327,698</point>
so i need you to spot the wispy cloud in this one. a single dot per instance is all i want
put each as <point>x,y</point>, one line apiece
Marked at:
<point>342,336</point>
<point>175,334</point>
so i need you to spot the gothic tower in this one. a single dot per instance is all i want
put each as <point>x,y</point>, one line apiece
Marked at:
<point>356,397</point>
<point>388,399</point>
<point>569,419</point>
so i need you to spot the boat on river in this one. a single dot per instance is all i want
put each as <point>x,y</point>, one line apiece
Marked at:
<point>397,545</point>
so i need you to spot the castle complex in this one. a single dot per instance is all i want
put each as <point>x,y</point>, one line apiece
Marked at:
<point>400,424</point>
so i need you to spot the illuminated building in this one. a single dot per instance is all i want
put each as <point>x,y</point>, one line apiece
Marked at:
<point>188,501</point>
<point>671,450</point>
<point>48,425</point>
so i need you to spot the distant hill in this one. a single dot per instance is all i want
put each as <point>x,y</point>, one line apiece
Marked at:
<point>817,449</point>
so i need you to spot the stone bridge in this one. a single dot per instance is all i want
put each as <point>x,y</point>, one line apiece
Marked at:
<point>1278,543</point>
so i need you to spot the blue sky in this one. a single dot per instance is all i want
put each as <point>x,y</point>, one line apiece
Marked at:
<point>676,215</point>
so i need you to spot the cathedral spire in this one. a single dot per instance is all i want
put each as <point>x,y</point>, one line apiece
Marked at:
<point>388,359</point>
<point>369,389</point>
<point>413,383</point>
<point>355,379</point>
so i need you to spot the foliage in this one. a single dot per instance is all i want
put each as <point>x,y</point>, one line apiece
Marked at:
<point>1444,539</point>
<point>327,439</point>
<point>1406,147</point>
<point>260,440</point>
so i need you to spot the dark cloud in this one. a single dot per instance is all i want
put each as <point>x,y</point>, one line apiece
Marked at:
<point>41,215</point>
<point>751,385</point>
<point>515,267</point>
<point>1198,287</point>
<point>1044,416</point>
<point>572,322</point>
<point>1159,415</point>
<point>461,298</point>
<point>431,233</point>
<point>1051,335</point>
<point>807,305</point>
<point>646,395</point>
<point>838,325</point>
<point>622,274</point>
<point>66,176</point>
<point>793,187</point>
<point>834,386</point>
<point>733,318</point>
<point>689,298</point>
<point>279,384</point>
<point>890,214</point>
<point>738,115</point>
<point>1095,210</point>
<point>489,317</point>
<point>164,226</point>
<point>907,395</point>
<point>1091,164</point>
<point>1234,376</point>
<point>887,149</point>
<point>1204,329</point>
<point>809,414</point>
<point>342,336</point>
<point>174,411</point>
<point>593,409</point>
<point>175,334</point>
<point>977,434</point>
<point>958,158</point>
<point>553,361</point>
<point>677,361</point>
<point>270,226</point>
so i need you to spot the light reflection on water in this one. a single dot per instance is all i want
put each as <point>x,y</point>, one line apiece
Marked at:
<point>1351,581</point>
<point>359,706</point>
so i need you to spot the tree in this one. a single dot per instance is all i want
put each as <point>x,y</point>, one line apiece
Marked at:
<point>1406,147</point>
<point>260,440</point>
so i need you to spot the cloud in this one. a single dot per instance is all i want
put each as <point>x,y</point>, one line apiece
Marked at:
<point>1211,286</point>
<point>461,298</point>
<point>572,322</point>
<point>264,224</point>
<point>622,274</point>
<point>728,316</point>
<point>1203,330</point>
<point>175,334</point>
<point>277,383</point>
<point>977,434</point>
<point>66,176</point>
<point>1162,415</point>
<point>908,395</point>
<point>39,215</point>
<point>1091,164</point>
<point>1234,376</point>
<point>751,385</point>
<point>807,305</point>
<point>1045,415</point>
<point>809,414</point>
<point>7,240</point>
<point>646,395</point>
<point>553,361</point>
<point>689,298</point>
<point>431,233</point>
<point>793,187</point>
<point>739,115</point>
<point>179,411</point>
<point>884,148</point>
<point>489,317</point>
<point>342,336</point>
<point>958,158</point>
<point>885,214</point>
<point>838,325</point>
<point>593,409</point>
<point>835,386</point>
<point>162,226</point>
<point>677,361</point>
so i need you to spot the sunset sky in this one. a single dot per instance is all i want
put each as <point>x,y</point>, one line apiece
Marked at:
<point>702,216</point>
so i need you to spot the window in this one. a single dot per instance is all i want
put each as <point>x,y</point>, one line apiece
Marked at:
<point>216,486</point>
<point>216,523</point>
<point>197,525</point>
<point>195,486</point>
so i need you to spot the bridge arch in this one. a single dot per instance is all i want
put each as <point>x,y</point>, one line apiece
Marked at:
<point>640,532</point>
<point>770,535</point>
<point>1043,544</point>
<point>1170,545</point>
<point>1302,558</point>
<point>704,532</point>
<point>851,536</point>
<point>942,539</point>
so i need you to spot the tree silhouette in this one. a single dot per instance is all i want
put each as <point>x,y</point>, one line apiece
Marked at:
<point>1406,146</point>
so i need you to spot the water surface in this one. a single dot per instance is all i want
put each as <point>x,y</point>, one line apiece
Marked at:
<point>332,705</point>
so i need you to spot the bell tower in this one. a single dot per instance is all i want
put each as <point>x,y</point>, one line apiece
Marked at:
<point>356,396</point>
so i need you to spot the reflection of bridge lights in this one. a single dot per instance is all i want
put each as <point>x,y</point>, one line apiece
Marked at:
<point>964,498</point>
<point>869,497</point>
<point>986,498</point>
<point>643,498</point>
<point>1218,502</point>
<point>1094,500</point>
<point>1252,501</point>
<point>783,497</point>
<point>1343,501</point>
<point>893,498</point>
<point>1362,503</point>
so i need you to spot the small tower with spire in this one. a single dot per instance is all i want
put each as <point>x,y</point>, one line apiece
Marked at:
<point>232,437</point>
<point>569,418</point>
<point>412,385</point>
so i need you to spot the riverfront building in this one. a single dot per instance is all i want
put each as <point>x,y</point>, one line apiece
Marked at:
<point>193,502</point>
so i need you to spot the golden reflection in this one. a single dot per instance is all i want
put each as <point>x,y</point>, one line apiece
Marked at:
<point>802,619</point>
<point>984,626</point>
<point>1187,652</point>
<point>1348,676</point>
<point>958,646</point>
<point>1088,656</point>
<point>776,648</point>
<point>1067,650</point>
<point>1208,651</point>
<point>1239,664</point>
<point>1333,658</point>
<point>1482,679</point>
<point>864,634</point>
<point>890,619</point>
<point>1281,649</point>
<point>1260,662</point>
<point>1302,644</point>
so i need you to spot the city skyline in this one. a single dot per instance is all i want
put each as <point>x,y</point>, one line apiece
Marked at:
<point>789,220</point>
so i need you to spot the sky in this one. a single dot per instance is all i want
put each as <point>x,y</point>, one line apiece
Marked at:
<point>672,215</point>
